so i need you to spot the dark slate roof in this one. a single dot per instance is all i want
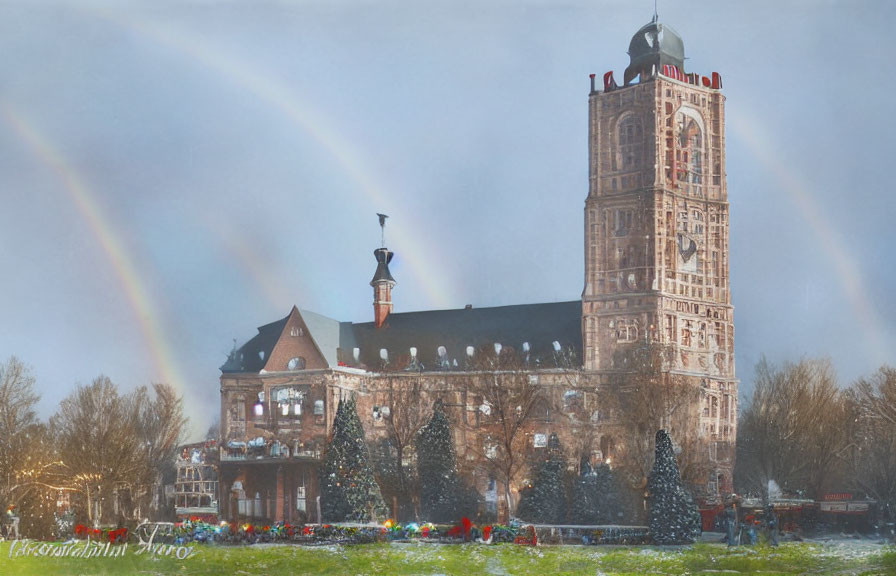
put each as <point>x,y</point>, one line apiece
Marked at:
<point>654,45</point>
<point>247,358</point>
<point>538,324</point>
<point>656,39</point>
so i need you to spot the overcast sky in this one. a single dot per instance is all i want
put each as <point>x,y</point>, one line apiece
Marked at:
<point>175,174</point>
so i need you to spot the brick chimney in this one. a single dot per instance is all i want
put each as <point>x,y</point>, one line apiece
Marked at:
<point>382,286</point>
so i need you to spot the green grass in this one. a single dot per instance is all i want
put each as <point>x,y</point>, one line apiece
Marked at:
<point>398,559</point>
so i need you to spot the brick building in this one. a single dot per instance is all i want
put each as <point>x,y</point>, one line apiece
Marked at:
<point>656,270</point>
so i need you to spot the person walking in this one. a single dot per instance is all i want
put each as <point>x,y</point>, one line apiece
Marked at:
<point>731,520</point>
<point>771,521</point>
<point>12,523</point>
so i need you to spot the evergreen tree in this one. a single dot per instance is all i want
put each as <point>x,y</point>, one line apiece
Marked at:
<point>348,489</point>
<point>441,490</point>
<point>545,501</point>
<point>596,497</point>
<point>672,513</point>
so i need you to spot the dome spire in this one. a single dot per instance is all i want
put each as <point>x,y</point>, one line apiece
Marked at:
<point>653,46</point>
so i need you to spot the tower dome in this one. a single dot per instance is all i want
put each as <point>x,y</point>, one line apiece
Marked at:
<point>654,45</point>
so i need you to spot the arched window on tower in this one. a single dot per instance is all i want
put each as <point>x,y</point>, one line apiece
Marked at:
<point>630,144</point>
<point>689,152</point>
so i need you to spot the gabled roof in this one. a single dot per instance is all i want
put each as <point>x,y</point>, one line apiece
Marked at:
<point>258,353</point>
<point>538,324</point>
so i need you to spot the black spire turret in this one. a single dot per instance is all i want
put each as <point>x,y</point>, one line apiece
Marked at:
<point>382,279</point>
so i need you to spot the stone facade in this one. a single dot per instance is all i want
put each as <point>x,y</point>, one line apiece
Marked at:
<point>657,242</point>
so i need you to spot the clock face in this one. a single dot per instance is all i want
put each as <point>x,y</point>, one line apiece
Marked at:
<point>687,247</point>
<point>687,253</point>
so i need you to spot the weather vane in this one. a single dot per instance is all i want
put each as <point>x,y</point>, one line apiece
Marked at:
<point>382,229</point>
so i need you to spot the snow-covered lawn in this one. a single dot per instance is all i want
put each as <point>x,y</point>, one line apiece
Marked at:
<point>818,557</point>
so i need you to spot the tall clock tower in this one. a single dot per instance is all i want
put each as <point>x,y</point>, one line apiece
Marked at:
<point>656,229</point>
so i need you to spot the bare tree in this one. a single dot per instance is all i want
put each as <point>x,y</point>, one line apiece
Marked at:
<point>37,483</point>
<point>871,455</point>
<point>116,446</point>
<point>510,395</point>
<point>409,411</point>
<point>96,432</point>
<point>159,426</point>
<point>32,474</point>
<point>575,398</point>
<point>792,429</point>
<point>645,396</point>
<point>18,422</point>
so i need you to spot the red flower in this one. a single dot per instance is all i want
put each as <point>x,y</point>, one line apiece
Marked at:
<point>119,535</point>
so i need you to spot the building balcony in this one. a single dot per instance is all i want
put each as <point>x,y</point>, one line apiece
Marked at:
<point>266,455</point>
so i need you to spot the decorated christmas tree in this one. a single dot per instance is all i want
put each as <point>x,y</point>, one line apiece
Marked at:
<point>545,501</point>
<point>672,513</point>
<point>596,497</point>
<point>348,489</point>
<point>441,490</point>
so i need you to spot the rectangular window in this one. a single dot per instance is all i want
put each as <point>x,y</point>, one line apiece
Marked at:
<point>300,496</point>
<point>380,414</point>
<point>540,440</point>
